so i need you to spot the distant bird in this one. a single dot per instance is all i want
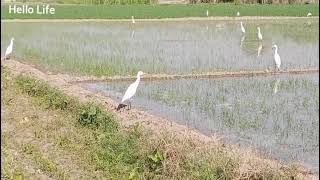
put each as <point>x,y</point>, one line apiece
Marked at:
<point>207,13</point>
<point>132,19</point>
<point>259,33</point>
<point>130,93</point>
<point>309,14</point>
<point>242,28</point>
<point>9,50</point>
<point>277,59</point>
<point>238,14</point>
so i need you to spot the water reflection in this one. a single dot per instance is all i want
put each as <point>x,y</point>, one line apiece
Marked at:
<point>259,49</point>
<point>275,86</point>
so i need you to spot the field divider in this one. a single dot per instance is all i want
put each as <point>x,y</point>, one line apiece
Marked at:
<point>208,75</point>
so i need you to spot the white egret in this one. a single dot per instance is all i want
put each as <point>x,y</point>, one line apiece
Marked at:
<point>259,33</point>
<point>238,13</point>
<point>130,93</point>
<point>132,19</point>
<point>309,14</point>
<point>9,49</point>
<point>277,59</point>
<point>207,13</point>
<point>242,28</point>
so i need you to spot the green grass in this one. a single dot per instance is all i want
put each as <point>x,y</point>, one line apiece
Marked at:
<point>164,11</point>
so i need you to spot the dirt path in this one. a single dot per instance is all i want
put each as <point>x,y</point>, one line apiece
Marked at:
<point>213,18</point>
<point>219,74</point>
<point>127,118</point>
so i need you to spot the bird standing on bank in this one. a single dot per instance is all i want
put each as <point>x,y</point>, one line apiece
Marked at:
<point>9,50</point>
<point>309,14</point>
<point>130,92</point>
<point>242,28</point>
<point>259,33</point>
<point>132,19</point>
<point>277,59</point>
<point>207,13</point>
<point>238,13</point>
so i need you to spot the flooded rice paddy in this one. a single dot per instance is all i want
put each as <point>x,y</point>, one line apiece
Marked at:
<point>120,48</point>
<point>278,115</point>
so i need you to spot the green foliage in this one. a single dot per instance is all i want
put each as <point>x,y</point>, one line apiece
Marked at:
<point>51,97</point>
<point>93,115</point>
<point>155,160</point>
<point>163,11</point>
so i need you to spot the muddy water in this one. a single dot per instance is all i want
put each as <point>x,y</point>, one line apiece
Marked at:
<point>277,115</point>
<point>119,48</point>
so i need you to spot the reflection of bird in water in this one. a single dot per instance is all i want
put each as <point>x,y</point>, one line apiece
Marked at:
<point>259,33</point>
<point>242,28</point>
<point>242,39</point>
<point>132,34</point>
<point>207,27</point>
<point>275,87</point>
<point>132,20</point>
<point>259,49</point>
<point>309,23</point>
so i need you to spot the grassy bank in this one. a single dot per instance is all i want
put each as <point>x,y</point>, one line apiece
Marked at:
<point>54,126</point>
<point>163,11</point>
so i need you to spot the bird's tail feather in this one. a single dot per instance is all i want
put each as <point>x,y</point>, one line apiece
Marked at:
<point>121,106</point>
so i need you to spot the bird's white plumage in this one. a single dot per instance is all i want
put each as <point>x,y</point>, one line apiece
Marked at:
<point>207,13</point>
<point>259,33</point>
<point>309,14</point>
<point>277,59</point>
<point>242,28</point>
<point>9,48</point>
<point>132,88</point>
<point>132,20</point>
<point>259,49</point>
<point>238,13</point>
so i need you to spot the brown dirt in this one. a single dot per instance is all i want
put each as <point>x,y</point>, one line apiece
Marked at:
<point>127,118</point>
<point>218,18</point>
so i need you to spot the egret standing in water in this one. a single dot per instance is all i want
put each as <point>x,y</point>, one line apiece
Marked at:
<point>9,50</point>
<point>132,19</point>
<point>277,59</point>
<point>238,13</point>
<point>309,14</point>
<point>242,28</point>
<point>131,91</point>
<point>207,13</point>
<point>259,33</point>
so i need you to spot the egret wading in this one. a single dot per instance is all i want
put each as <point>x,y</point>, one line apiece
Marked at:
<point>207,13</point>
<point>277,59</point>
<point>131,91</point>
<point>9,50</point>
<point>132,19</point>
<point>238,13</point>
<point>309,14</point>
<point>259,34</point>
<point>242,28</point>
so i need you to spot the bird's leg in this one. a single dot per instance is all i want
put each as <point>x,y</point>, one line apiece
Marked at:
<point>129,104</point>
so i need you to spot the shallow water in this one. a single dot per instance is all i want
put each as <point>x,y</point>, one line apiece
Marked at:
<point>119,48</point>
<point>278,115</point>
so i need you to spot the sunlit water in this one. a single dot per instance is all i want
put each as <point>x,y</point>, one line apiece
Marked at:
<point>120,48</point>
<point>278,115</point>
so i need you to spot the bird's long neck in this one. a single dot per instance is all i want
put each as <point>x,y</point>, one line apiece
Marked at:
<point>11,42</point>
<point>276,50</point>
<point>138,80</point>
